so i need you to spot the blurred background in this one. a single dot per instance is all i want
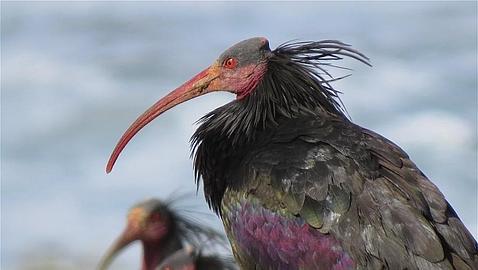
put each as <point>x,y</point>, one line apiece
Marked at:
<point>75,75</point>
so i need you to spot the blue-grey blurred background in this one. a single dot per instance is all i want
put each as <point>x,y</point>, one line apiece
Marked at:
<point>75,75</point>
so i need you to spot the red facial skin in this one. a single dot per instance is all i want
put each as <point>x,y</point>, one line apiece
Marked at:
<point>244,80</point>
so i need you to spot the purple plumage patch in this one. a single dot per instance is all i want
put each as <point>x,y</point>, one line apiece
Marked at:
<point>278,242</point>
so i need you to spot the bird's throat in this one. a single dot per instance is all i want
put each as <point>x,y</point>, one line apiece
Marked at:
<point>155,251</point>
<point>152,255</point>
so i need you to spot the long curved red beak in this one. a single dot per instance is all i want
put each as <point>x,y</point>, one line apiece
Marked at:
<point>202,83</point>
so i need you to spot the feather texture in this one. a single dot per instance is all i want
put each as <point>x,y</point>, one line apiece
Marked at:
<point>287,156</point>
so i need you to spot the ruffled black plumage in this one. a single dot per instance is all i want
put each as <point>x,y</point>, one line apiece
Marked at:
<point>296,83</point>
<point>309,59</point>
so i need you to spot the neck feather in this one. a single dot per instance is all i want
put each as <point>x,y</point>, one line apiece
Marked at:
<point>288,90</point>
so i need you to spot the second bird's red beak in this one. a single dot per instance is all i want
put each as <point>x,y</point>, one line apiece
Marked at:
<point>131,233</point>
<point>203,83</point>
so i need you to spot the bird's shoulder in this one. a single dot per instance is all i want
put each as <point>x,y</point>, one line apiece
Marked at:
<point>353,183</point>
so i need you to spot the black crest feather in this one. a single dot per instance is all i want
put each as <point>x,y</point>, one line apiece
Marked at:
<point>312,58</point>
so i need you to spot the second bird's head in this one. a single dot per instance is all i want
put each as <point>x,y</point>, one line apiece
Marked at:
<point>150,222</point>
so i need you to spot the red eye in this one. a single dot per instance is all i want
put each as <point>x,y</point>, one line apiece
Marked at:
<point>230,63</point>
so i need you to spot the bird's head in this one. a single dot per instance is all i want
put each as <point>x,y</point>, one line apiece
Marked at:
<point>238,70</point>
<point>149,221</point>
<point>162,230</point>
<point>243,67</point>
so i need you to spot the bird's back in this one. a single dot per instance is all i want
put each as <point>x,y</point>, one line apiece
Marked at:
<point>323,193</point>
